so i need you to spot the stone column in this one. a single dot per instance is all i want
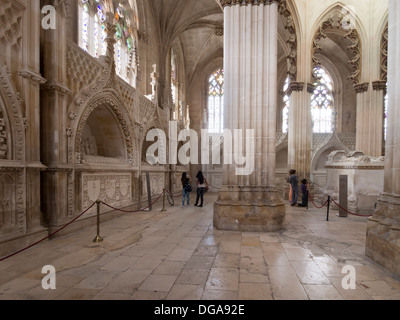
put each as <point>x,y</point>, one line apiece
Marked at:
<point>300,129</point>
<point>53,121</point>
<point>250,201</point>
<point>369,120</point>
<point>383,230</point>
<point>377,107</point>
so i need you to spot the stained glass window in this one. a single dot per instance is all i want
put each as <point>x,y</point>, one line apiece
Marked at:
<point>216,102</point>
<point>285,110</point>
<point>322,102</point>
<point>173,77</point>
<point>92,33</point>
<point>85,27</point>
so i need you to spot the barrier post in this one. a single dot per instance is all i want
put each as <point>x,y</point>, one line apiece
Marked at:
<point>163,202</point>
<point>327,210</point>
<point>98,237</point>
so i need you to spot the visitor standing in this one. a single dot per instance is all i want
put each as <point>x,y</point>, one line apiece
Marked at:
<point>294,182</point>
<point>186,188</point>
<point>202,184</point>
<point>304,191</point>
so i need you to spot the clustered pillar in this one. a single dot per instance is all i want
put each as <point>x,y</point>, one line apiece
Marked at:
<point>383,231</point>
<point>250,202</point>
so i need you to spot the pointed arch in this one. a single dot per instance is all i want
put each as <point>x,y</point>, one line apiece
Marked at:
<point>288,13</point>
<point>340,19</point>
<point>12,124</point>
<point>117,108</point>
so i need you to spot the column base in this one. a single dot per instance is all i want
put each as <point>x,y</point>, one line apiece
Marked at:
<point>257,209</point>
<point>383,234</point>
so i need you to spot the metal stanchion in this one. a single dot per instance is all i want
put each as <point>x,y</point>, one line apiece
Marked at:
<point>98,237</point>
<point>327,210</point>
<point>163,202</point>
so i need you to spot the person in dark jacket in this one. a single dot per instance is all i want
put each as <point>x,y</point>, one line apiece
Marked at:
<point>294,182</point>
<point>202,184</point>
<point>185,179</point>
<point>304,191</point>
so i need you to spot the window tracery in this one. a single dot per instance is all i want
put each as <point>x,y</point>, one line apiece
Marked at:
<point>216,102</point>
<point>322,102</point>
<point>92,33</point>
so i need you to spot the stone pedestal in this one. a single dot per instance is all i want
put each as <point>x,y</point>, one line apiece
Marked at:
<point>249,209</point>
<point>383,234</point>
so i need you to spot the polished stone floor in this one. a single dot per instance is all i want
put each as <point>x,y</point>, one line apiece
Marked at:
<point>178,255</point>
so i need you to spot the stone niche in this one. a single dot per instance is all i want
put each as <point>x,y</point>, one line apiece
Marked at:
<point>365,179</point>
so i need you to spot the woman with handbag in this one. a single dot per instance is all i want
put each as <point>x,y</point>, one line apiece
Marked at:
<point>202,185</point>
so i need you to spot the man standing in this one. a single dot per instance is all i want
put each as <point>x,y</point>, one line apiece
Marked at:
<point>294,182</point>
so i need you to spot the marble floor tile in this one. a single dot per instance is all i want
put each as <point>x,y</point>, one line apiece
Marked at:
<point>170,267</point>
<point>309,273</point>
<point>220,295</point>
<point>285,283</point>
<point>225,260</point>
<point>322,292</point>
<point>193,276</point>
<point>185,292</point>
<point>179,255</point>
<point>158,282</point>
<point>223,279</point>
<point>255,291</point>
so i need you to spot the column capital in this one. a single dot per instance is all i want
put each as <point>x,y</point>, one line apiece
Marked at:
<point>361,87</point>
<point>295,86</point>
<point>379,85</point>
<point>310,88</point>
<point>228,3</point>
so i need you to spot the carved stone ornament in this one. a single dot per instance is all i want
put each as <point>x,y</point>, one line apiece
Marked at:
<point>361,88</point>
<point>384,53</point>
<point>32,76</point>
<point>336,21</point>
<point>229,3</point>
<point>11,13</point>
<point>13,108</point>
<point>290,27</point>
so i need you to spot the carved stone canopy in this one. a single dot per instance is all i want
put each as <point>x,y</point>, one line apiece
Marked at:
<point>337,21</point>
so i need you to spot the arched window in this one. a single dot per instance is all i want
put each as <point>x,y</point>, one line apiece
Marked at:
<point>174,81</point>
<point>285,110</point>
<point>322,102</point>
<point>216,102</point>
<point>92,34</point>
<point>85,27</point>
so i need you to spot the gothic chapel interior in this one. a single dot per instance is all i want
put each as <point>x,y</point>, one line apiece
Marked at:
<point>84,82</point>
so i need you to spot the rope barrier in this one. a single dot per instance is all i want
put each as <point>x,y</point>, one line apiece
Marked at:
<point>81,214</point>
<point>318,207</point>
<point>37,242</point>
<point>326,202</point>
<point>133,211</point>
<point>354,214</point>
